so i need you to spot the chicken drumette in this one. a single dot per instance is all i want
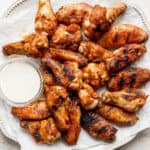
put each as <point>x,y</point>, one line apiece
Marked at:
<point>93,51</point>
<point>35,111</point>
<point>120,35</point>
<point>30,46</point>
<point>67,37</point>
<point>98,127</point>
<point>95,74</point>
<point>99,20</point>
<point>130,100</point>
<point>131,78</point>
<point>43,132</point>
<point>73,13</point>
<point>124,57</point>
<point>45,20</point>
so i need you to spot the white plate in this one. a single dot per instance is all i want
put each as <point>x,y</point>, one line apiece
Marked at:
<point>19,8</point>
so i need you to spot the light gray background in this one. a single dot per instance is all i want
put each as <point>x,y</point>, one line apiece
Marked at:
<point>142,141</point>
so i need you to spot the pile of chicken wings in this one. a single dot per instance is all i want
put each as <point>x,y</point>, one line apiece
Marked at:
<point>81,52</point>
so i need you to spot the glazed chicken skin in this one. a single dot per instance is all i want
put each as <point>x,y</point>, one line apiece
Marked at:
<point>124,57</point>
<point>73,13</point>
<point>116,115</point>
<point>67,37</point>
<point>93,51</point>
<point>120,35</point>
<point>88,97</point>
<point>43,132</point>
<point>35,111</point>
<point>131,78</point>
<point>72,134</point>
<point>98,127</point>
<point>95,74</point>
<point>30,46</point>
<point>45,21</point>
<point>61,54</point>
<point>130,100</point>
<point>99,20</point>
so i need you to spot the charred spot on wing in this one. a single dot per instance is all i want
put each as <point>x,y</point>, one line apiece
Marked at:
<point>121,83</point>
<point>58,80</point>
<point>103,129</point>
<point>37,136</point>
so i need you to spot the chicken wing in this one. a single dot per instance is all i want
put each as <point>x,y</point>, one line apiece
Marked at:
<point>95,74</point>
<point>98,127</point>
<point>131,78</point>
<point>37,110</point>
<point>88,97</point>
<point>67,37</point>
<point>130,100</point>
<point>73,13</point>
<point>120,35</point>
<point>116,115</point>
<point>30,46</point>
<point>43,132</point>
<point>45,20</point>
<point>94,52</point>
<point>72,134</point>
<point>124,56</point>
<point>99,20</point>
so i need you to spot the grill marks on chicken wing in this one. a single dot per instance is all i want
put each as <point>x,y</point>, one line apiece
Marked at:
<point>45,20</point>
<point>120,35</point>
<point>131,78</point>
<point>43,132</point>
<point>116,115</point>
<point>99,20</point>
<point>130,100</point>
<point>98,127</point>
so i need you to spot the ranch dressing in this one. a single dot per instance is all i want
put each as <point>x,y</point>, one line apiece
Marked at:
<point>19,82</point>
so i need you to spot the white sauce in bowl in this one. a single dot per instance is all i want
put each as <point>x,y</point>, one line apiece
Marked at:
<point>19,82</point>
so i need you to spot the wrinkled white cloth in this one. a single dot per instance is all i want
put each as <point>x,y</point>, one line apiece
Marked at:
<point>22,20</point>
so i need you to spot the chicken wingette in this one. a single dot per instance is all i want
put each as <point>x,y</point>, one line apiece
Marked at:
<point>120,35</point>
<point>130,78</point>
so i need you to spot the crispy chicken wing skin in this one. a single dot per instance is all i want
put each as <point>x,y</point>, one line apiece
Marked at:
<point>131,78</point>
<point>45,20</point>
<point>95,74</point>
<point>67,37</point>
<point>30,46</point>
<point>72,134</point>
<point>73,13</point>
<point>74,75</point>
<point>124,56</point>
<point>116,115</point>
<point>35,111</point>
<point>130,100</point>
<point>43,132</point>
<point>120,35</point>
<point>88,97</point>
<point>99,20</point>
<point>65,55</point>
<point>93,51</point>
<point>98,127</point>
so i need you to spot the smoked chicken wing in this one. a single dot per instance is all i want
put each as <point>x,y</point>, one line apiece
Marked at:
<point>45,20</point>
<point>98,127</point>
<point>131,78</point>
<point>116,115</point>
<point>93,51</point>
<point>130,100</point>
<point>35,111</point>
<point>120,35</point>
<point>43,132</point>
<point>73,13</point>
<point>95,74</point>
<point>67,37</point>
<point>30,46</point>
<point>99,20</point>
<point>124,57</point>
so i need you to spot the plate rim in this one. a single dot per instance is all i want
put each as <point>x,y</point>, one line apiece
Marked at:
<point>16,4</point>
